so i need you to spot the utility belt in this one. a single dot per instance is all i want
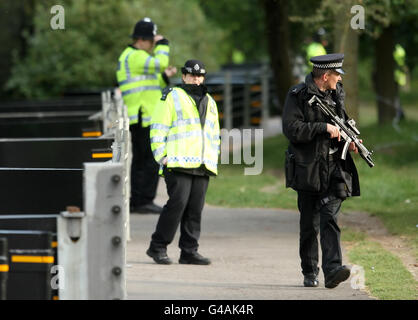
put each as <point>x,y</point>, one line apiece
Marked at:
<point>334,157</point>
<point>328,198</point>
<point>337,188</point>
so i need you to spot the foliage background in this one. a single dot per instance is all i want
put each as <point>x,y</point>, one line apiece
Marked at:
<point>85,53</point>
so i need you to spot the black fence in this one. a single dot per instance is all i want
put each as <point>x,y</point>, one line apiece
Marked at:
<point>54,152</point>
<point>244,94</point>
<point>42,151</point>
<point>30,258</point>
<point>67,117</point>
<point>4,268</point>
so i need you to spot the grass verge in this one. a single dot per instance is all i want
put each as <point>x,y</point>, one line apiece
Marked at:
<point>385,275</point>
<point>388,191</point>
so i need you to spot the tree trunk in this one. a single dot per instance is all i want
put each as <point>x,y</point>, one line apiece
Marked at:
<point>384,81</point>
<point>16,16</point>
<point>346,41</point>
<point>277,31</point>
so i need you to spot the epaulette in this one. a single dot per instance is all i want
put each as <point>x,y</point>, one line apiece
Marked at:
<point>165,92</point>
<point>295,89</point>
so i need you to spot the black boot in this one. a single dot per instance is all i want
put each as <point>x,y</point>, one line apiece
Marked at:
<point>336,276</point>
<point>193,258</point>
<point>147,208</point>
<point>310,280</point>
<point>159,257</point>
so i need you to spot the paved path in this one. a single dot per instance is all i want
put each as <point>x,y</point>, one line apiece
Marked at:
<point>254,255</point>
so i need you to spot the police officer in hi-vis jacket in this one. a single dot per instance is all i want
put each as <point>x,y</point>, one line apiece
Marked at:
<point>185,142</point>
<point>142,73</point>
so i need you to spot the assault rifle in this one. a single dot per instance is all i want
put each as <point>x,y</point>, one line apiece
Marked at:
<point>348,131</point>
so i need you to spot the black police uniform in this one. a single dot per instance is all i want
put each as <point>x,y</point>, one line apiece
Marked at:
<point>186,188</point>
<point>320,177</point>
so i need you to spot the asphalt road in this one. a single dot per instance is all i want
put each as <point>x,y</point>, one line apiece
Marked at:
<point>254,255</point>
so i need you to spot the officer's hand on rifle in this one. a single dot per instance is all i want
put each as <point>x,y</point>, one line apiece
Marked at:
<point>333,131</point>
<point>353,146</point>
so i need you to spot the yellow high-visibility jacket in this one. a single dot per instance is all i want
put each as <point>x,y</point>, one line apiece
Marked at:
<point>314,49</point>
<point>140,80</point>
<point>177,134</point>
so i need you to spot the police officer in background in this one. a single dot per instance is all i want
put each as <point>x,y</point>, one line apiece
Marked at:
<point>142,72</point>
<point>185,142</point>
<point>315,170</point>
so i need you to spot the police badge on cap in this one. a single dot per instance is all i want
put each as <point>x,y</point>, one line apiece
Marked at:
<point>333,61</point>
<point>195,67</point>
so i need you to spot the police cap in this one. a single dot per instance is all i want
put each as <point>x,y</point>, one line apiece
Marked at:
<point>195,67</point>
<point>333,61</point>
<point>145,29</point>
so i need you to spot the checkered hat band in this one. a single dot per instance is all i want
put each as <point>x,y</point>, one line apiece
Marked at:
<point>328,65</point>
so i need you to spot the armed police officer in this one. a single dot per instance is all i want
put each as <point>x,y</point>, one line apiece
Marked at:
<point>314,168</point>
<point>185,142</point>
<point>142,73</point>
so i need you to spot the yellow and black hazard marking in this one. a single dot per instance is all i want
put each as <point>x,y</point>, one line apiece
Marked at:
<point>256,104</point>
<point>89,134</point>
<point>102,155</point>
<point>4,268</point>
<point>255,88</point>
<point>32,259</point>
<point>217,97</point>
<point>255,120</point>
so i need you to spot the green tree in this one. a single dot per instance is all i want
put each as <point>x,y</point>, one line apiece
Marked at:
<point>386,19</point>
<point>85,53</point>
<point>15,16</point>
<point>277,32</point>
<point>243,23</point>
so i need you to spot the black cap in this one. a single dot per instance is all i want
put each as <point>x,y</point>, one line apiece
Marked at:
<point>195,67</point>
<point>333,61</point>
<point>145,29</point>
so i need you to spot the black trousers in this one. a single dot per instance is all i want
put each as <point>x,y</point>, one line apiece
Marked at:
<point>185,204</point>
<point>317,217</point>
<point>144,169</point>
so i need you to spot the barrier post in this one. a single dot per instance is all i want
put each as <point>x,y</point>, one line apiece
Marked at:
<point>265,95</point>
<point>106,220</point>
<point>247,101</point>
<point>228,101</point>
<point>72,256</point>
<point>4,268</point>
<point>125,159</point>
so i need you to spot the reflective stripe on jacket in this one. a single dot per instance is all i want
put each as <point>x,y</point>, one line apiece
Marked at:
<point>139,78</point>
<point>176,132</point>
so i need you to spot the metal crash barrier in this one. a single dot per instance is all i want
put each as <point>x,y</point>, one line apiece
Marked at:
<point>65,211</point>
<point>4,268</point>
<point>245,95</point>
<point>68,117</point>
<point>30,257</point>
